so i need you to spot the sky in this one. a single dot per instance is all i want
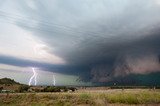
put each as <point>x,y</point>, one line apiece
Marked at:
<point>80,42</point>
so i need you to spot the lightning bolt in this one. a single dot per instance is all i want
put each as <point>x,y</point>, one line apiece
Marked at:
<point>33,76</point>
<point>37,51</point>
<point>54,80</point>
<point>33,70</point>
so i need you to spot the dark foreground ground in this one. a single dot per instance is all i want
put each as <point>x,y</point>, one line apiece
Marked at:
<point>84,97</point>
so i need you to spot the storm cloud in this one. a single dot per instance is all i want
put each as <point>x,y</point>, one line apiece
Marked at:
<point>98,40</point>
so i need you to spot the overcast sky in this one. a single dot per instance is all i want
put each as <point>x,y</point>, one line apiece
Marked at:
<point>79,41</point>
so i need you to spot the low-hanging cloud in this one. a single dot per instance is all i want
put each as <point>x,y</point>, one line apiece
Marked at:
<point>100,40</point>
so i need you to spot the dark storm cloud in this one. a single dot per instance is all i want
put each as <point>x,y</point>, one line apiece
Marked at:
<point>17,61</point>
<point>4,59</point>
<point>14,61</point>
<point>93,37</point>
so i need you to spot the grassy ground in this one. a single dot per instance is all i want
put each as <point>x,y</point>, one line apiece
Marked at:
<point>83,98</point>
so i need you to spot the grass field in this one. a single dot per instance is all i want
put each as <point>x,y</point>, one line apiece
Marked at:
<point>84,98</point>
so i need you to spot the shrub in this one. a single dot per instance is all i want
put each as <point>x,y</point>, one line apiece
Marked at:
<point>23,88</point>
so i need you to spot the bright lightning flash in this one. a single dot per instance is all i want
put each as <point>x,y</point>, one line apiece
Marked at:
<point>33,76</point>
<point>54,80</point>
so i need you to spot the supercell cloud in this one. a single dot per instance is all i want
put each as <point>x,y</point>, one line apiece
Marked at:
<point>99,41</point>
